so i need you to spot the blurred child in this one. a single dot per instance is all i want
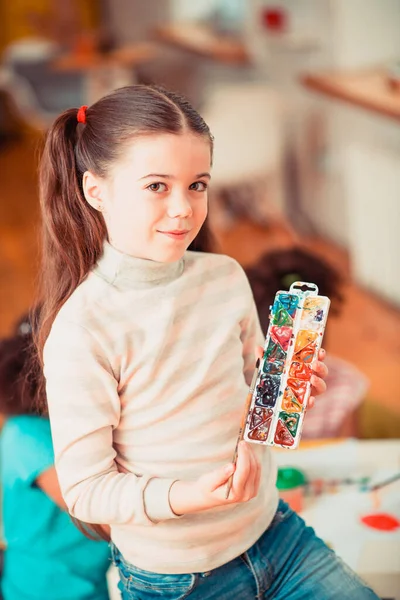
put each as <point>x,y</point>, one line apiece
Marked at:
<point>46,556</point>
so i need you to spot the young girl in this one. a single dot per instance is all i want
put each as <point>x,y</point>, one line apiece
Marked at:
<point>148,354</point>
<point>46,556</point>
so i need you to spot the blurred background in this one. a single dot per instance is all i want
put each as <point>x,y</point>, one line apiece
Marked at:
<point>303,98</point>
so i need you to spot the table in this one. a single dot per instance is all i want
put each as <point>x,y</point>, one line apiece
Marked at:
<point>335,516</point>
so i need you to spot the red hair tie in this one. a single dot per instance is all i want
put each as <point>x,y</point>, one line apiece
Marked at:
<point>81,116</point>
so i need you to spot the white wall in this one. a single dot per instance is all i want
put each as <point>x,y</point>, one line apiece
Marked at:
<point>365,32</point>
<point>373,184</point>
<point>189,10</point>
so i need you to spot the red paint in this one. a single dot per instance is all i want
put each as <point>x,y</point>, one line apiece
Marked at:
<point>281,335</point>
<point>282,435</point>
<point>381,521</point>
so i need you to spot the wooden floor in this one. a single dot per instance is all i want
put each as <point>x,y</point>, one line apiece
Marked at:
<point>367,333</point>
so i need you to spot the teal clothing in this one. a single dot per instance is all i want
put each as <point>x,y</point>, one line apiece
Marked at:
<point>46,557</point>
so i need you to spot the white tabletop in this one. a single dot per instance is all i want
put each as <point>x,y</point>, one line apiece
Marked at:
<point>336,515</point>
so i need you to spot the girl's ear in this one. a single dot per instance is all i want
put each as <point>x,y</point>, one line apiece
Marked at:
<point>93,189</point>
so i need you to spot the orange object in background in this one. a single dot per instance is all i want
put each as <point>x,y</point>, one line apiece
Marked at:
<point>85,45</point>
<point>290,483</point>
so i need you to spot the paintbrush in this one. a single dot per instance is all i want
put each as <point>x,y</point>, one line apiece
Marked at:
<point>385,482</point>
<point>243,424</point>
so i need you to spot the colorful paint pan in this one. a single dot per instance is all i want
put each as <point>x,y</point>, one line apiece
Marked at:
<point>294,337</point>
<point>267,390</point>
<point>260,424</point>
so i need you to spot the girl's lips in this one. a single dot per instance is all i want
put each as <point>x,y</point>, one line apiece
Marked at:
<point>177,234</point>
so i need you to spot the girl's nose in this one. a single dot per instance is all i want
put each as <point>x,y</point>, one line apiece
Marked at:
<point>179,206</point>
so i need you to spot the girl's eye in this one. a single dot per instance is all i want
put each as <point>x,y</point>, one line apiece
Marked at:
<point>157,187</point>
<point>198,186</point>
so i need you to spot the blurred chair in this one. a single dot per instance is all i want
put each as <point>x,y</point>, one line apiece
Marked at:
<point>246,120</point>
<point>38,92</point>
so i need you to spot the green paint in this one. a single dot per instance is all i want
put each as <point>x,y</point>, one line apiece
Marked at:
<point>281,317</point>
<point>291,421</point>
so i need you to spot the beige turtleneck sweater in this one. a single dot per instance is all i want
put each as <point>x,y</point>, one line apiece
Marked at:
<point>147,370</point>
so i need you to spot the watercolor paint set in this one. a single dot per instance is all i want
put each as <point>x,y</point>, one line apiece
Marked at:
<point>281,385</point>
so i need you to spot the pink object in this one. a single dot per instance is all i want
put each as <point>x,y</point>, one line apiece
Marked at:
<point>347,388</point>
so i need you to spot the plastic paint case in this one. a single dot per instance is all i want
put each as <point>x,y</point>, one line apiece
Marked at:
<point>294,337</point>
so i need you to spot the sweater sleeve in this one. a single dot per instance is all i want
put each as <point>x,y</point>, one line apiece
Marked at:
<point>251,332</point>
<point>84,408</point>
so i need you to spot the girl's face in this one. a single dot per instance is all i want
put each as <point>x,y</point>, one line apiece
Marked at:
<point>154,199</point>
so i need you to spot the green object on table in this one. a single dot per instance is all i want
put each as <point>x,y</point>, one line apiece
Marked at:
<point>289,478</point>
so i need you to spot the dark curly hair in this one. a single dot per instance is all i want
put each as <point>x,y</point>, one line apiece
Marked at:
<point>278,269</point>
<point>19,371</point>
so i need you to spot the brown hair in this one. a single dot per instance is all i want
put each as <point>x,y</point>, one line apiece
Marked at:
<point>73,232</point>
<point>19,372</point>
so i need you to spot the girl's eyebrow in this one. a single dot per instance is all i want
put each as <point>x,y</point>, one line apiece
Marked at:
<point>163,176</point>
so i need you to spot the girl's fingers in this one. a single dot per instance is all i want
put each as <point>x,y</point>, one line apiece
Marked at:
<point>320,369</point>
<point>217,478</point>
<point>320,372</point>
<point>242,471</point>
<point>318,385</point>
<point>259,352</point>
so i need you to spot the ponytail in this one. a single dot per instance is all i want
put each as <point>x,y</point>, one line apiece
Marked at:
<point>73,232</point>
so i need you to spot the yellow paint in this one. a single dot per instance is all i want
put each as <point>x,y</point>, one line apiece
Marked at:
<point>289,400</point>
<point>304,337</point>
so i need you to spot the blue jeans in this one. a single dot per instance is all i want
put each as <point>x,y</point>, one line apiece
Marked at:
<point>288,562</point>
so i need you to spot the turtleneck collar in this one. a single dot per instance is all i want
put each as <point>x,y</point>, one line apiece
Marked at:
<point>125,271</point>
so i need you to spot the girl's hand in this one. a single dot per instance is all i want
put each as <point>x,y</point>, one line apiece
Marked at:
<point>209,490</point>
<point>320,372</point>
